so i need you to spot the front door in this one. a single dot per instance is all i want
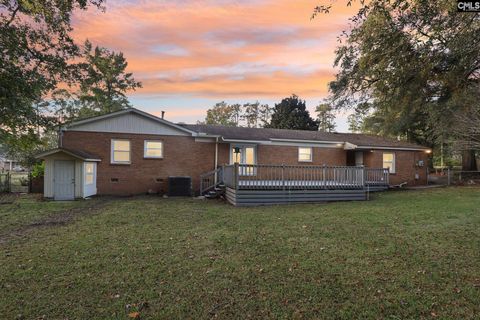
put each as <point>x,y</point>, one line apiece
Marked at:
<point>64,180</point>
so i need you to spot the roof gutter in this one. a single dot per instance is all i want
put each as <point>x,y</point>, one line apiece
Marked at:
<point>246,141</point>
<point>394,148</point>
<point>308,141</point>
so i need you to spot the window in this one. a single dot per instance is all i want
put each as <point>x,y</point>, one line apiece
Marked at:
<point>389,161</point>
<point>89,173</point>
<point>153,149</point>
<point>305,154</point>
<point>121,151</point>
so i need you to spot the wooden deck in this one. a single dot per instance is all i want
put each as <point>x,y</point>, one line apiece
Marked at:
<point>242,197</point>
<point>252,185</point>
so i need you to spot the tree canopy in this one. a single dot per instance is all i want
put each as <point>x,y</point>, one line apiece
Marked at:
<point>223,114</point>
<point>412,63</point>
<point>291,113</point>
<point>36,55</point>
<point>325,117</point>
<point>103,84</point>
<point>249,114</point>
<point>35,50</point>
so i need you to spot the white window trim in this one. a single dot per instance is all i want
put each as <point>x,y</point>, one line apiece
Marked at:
<point>112,161</point>
<point>393,169</point>
<point>93,174</point>
<point>145,149</point>
<point>311,154</point>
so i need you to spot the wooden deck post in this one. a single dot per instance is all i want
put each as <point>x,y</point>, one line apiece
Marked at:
<point>324,176</point>
<point>283,176</point>
<point>235,175</point>
<point>363,177</point>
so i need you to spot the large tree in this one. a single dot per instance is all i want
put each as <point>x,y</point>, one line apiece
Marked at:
<point>35,54</point>
<point>292,113</point>
<point>103,84</point>
<point>223,114</point>
<point>413,62</point>
<point>249,114</point>
<point>325,117</point>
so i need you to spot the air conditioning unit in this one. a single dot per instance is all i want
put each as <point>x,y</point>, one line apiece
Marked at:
<point>179,186</point>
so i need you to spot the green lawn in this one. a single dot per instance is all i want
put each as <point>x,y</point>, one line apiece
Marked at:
<point>402,255</point>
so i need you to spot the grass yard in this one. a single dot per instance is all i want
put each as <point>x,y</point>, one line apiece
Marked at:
<point>403,255</point>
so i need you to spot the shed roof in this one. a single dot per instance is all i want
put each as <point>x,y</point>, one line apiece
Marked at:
<point>74,153</point>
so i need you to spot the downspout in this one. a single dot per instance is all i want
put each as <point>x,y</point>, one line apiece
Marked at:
<point>216,160</point>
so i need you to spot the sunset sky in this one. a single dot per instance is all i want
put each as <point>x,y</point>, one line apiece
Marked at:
<point>191,54</point>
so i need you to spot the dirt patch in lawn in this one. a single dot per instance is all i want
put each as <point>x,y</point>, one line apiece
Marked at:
<point>57,219</point>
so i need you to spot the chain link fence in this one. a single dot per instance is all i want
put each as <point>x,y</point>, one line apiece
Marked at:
<point>15,182</point>
<point>447,176</point>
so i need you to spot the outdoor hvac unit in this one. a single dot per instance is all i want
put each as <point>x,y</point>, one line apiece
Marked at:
<point>179,186</point>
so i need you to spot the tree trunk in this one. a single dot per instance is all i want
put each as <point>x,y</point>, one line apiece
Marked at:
<point>469,162</point>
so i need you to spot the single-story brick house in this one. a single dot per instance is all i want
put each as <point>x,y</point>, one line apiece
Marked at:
<point>132,152</point>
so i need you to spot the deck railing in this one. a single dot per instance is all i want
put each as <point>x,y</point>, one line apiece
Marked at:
<point>377,177</point>
<point>246,176</point>
<point>210,180</point>
<point>293,177</point>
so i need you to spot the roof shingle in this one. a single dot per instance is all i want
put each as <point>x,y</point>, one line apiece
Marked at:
<point>266,134</point>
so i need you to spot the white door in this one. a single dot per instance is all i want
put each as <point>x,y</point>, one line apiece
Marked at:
<point>64,180</point>
<point>89,179</point>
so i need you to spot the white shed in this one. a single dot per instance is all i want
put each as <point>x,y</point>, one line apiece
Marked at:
<point>69,174</point>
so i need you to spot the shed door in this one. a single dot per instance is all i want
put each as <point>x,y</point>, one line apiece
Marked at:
<point>64,180</point>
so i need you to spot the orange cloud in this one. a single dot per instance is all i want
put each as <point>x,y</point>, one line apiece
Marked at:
<point>221,48</point>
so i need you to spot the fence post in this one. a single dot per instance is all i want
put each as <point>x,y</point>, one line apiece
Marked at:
<point>448,176</point>
<point>283,176</point>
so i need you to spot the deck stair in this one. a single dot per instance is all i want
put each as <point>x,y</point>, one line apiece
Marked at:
<point>211,184</point>
<point>217,192</point>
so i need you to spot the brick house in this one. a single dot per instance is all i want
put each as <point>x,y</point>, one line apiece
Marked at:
<point>132,152</point>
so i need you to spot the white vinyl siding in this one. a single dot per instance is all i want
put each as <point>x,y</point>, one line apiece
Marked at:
<point>305,154</point>
<point>130,123</point>
<point>120,151</point>
<point>49,182</point>
<point>153,149</point>
<point>389,161</point>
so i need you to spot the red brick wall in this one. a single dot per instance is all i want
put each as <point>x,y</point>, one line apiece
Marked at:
<point>289,155</point>
<point>405,165</point>
<point>185,157</point>
<point>182,157</point>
